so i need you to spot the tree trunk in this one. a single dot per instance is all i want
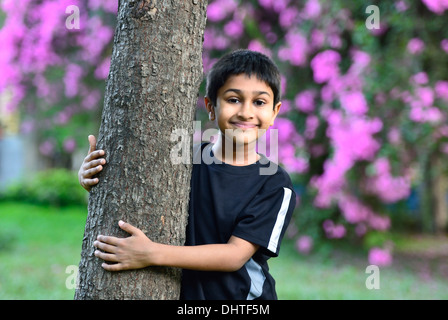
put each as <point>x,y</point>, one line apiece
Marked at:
<point>152,91</point>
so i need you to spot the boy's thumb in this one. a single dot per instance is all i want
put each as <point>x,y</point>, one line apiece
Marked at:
<point>92,143</point>
<point>128,227</point>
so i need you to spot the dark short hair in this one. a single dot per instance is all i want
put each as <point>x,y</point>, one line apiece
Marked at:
<point>247,62</point>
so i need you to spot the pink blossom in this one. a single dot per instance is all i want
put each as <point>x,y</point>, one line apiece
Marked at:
<point>388,188</point>
<point>332,230</point>
<point>380,257</point>
<point>311,10</point>
<point>415,46</point>
<point>209,35</point>
<point>436,6</point>
<point>444,45</point>
<point>27,126</point>
<point>218,10</point>
<point>234,29</point>
<point>317,39</point>
<point>294,164</point>
<point>361,61</point>
<point>287,132</point>
<point>266,3</point>
<point>283,84</point>
<point>325,66</point>
<point>426,96</point>
<point>401,6</point>
<point>330,184</point>
<point>296,49</point>
<point>107,5</point>
<point>353,210</point>
<point>304,244</point>
<point>304,101</point>
<point>91,99</point>
<point>420,78</point>
<point>102,71</point>
<point>312,123</point>
<point>64,116</point>
<point>288,17</point>
<point>221,42</point>
<point>353,138</point>
<point>69,145</point>
<point>441,132</point>
<point>73,74</point>
<point>422,114</point>
<point>441,90</point>
<point>280,5</point>
<point>394,136</point>
<point>354,102</point>
<point>46,148</point>
<point>285,107</point>
<point>378,222</point>
<point>256,45</point>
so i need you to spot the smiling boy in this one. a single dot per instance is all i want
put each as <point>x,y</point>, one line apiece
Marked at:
<point>237,216</point>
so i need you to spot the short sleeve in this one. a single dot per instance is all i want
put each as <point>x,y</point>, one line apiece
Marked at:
<point>265,219</point>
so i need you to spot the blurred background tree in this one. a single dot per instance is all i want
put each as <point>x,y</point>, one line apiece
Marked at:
<point>363,128</point>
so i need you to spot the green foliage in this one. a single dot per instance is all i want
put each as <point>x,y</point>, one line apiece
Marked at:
<point>58,187</point>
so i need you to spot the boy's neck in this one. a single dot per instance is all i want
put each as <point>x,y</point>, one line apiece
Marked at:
<point>235,154</point>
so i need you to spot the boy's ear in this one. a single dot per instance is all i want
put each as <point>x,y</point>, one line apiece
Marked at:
<point>210,109</point>
<point>208,104</point>
<point>276,111</point>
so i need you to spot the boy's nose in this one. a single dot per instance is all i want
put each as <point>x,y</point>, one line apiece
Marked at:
<point>246,111</point>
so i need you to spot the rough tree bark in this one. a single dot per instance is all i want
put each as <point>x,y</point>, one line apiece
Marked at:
<point>152,90</point>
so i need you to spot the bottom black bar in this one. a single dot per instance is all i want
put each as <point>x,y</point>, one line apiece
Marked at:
<point>170,310</point>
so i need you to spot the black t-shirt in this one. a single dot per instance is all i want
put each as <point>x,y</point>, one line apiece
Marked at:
<point>243,201</point>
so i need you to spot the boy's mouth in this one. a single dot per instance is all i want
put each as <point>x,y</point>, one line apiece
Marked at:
<point>244,125</point>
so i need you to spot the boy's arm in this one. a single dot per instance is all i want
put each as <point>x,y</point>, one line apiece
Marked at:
<point>137,251</point>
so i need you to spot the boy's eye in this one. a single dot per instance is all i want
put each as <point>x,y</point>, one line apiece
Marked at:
<point>259,103</point>
<point>233,100</point>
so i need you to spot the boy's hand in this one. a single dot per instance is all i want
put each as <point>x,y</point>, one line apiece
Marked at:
<point>91,165</point>
<point>134,252</point>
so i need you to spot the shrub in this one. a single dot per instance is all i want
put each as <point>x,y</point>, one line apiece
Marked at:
<point>58,187</point>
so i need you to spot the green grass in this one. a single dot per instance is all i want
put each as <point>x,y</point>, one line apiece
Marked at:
<point>343,276</point>
<point>38,243</point>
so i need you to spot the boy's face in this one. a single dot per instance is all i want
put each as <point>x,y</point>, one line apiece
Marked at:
<point>244,103</point>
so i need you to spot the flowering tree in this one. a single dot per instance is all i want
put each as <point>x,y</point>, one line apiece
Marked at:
<point>55,58</point>
<point>364,111</point>
<point>365,99</point>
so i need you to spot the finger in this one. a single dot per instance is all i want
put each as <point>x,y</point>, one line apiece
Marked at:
<point>109,240</point>
<point>89,182</point>
<point>113,267</point>
<point>91,172</point>
<point>94,163</point>
<point>92,143</point>
<point>105,247</point>
<point>106,256</point>
<point>129,228</point>
<point>93,155</point>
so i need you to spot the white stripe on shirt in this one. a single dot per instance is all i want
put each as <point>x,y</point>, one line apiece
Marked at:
<point>277,230</point>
